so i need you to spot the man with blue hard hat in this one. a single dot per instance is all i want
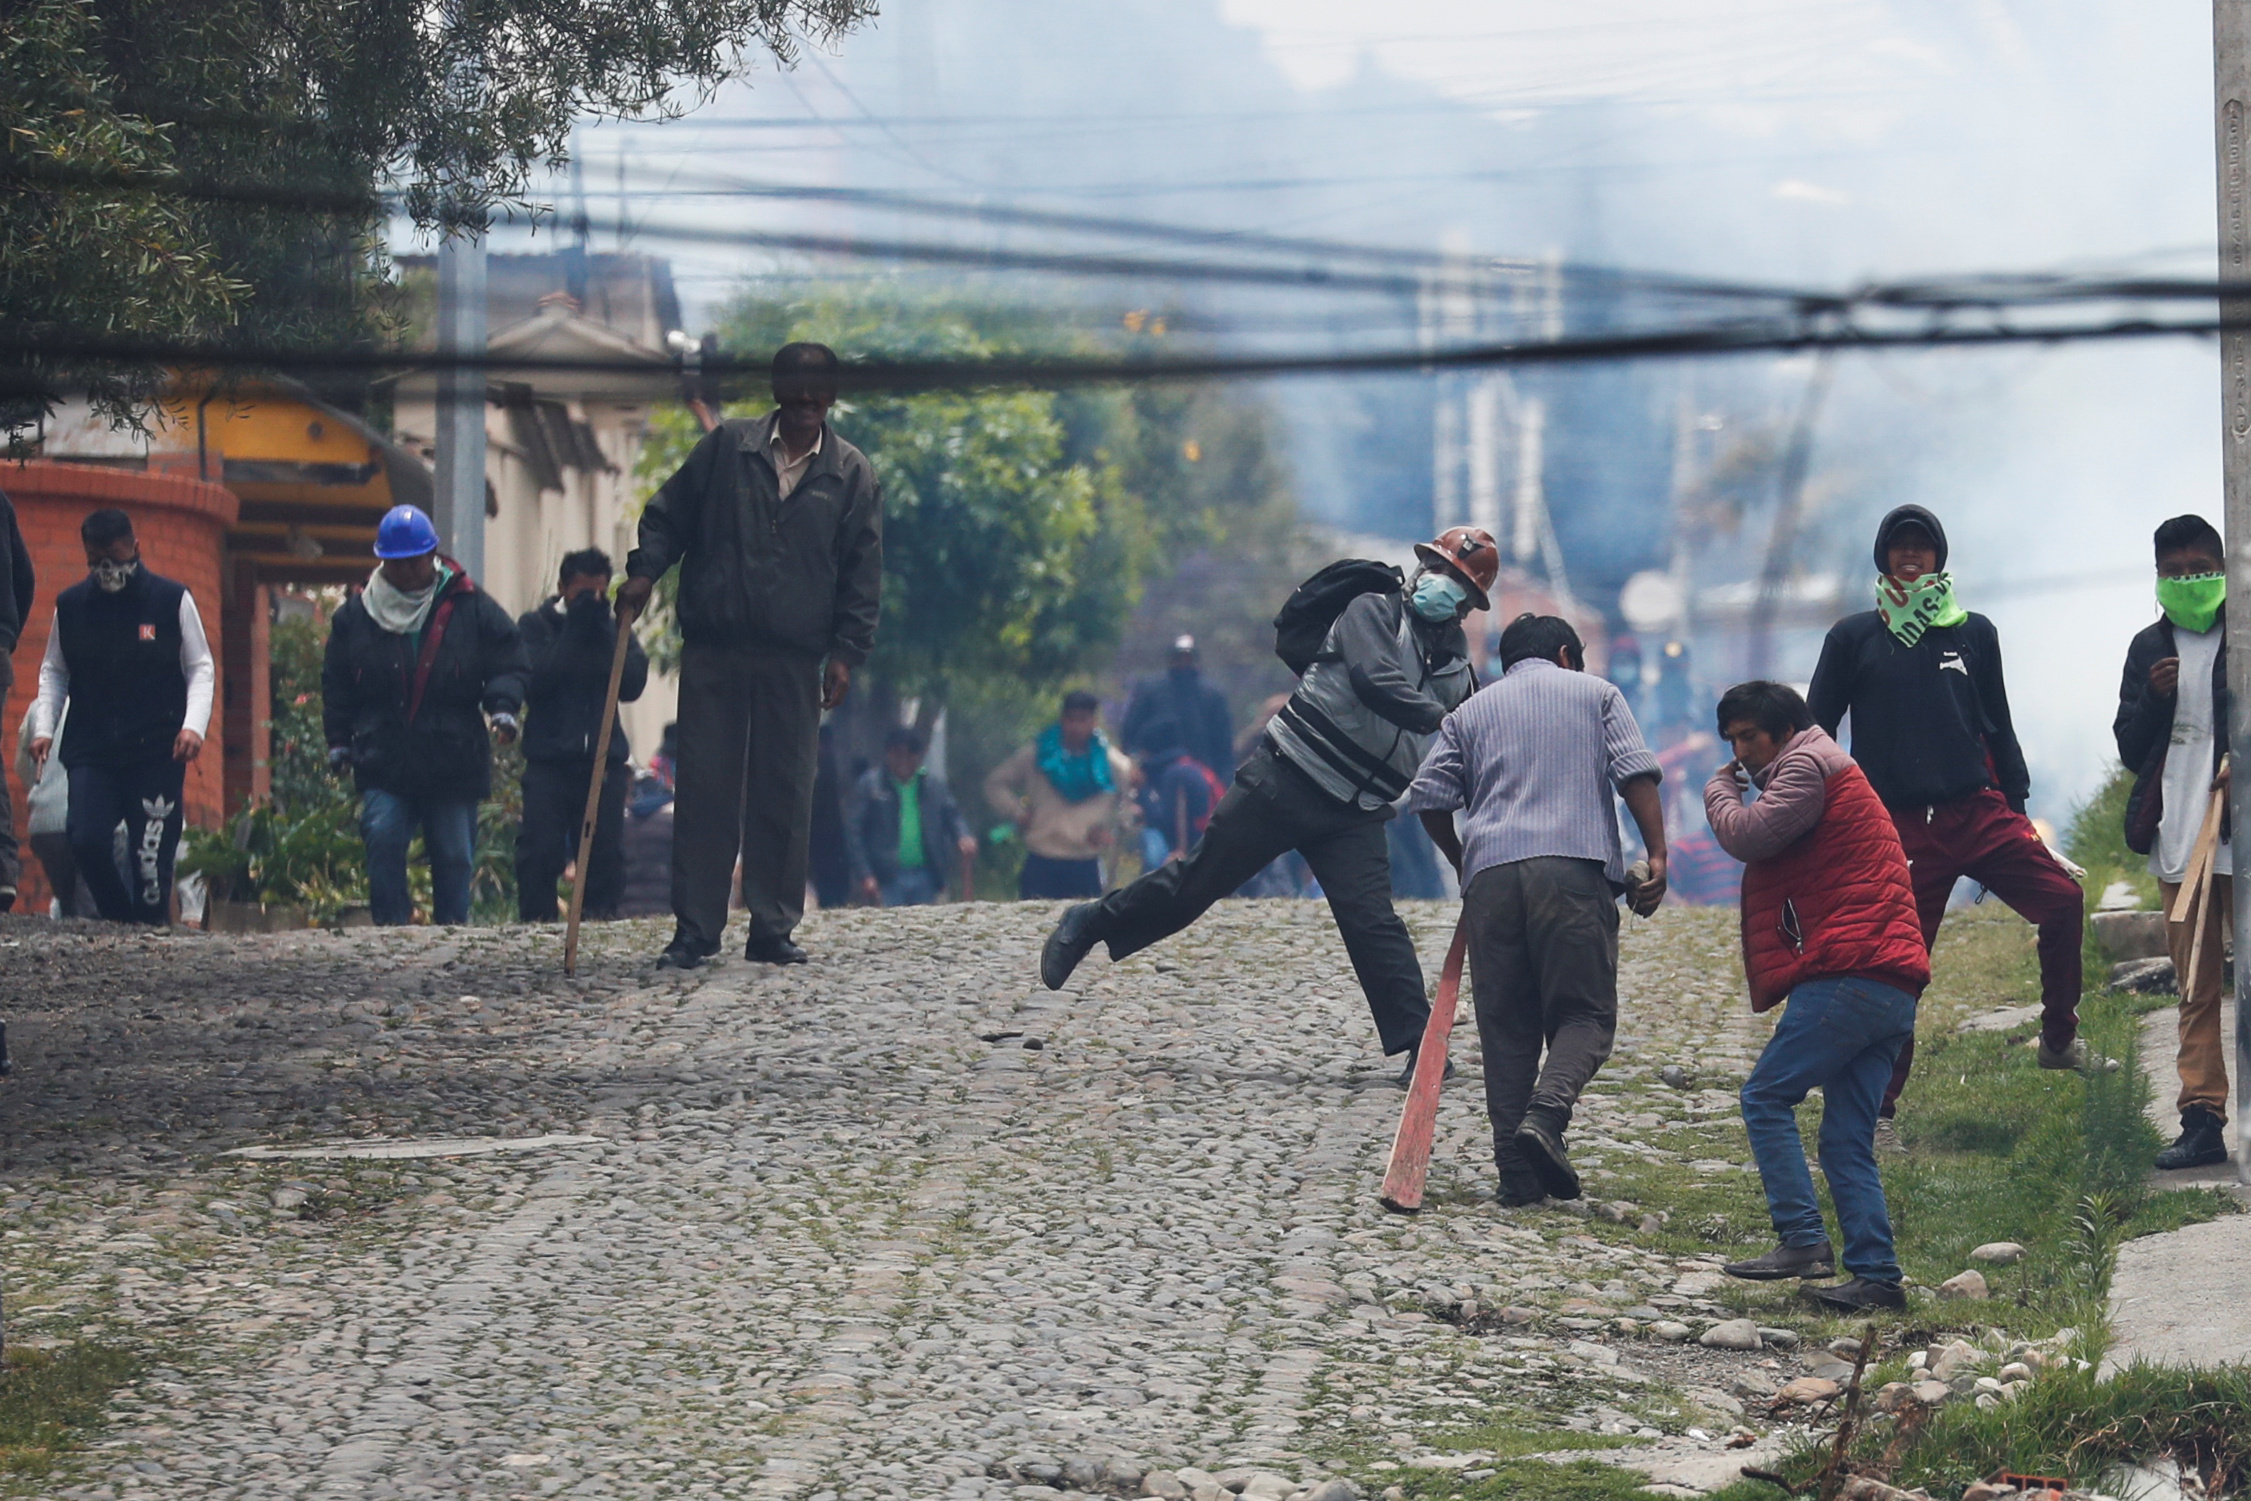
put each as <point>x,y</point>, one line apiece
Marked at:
<point>776,524</point>
<point>415,663</point>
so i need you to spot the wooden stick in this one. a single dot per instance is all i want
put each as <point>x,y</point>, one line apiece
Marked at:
<point>594,792</point>
<point>2202,915</point>
<point>1830,1485</point>
<point>1410,1148</point>
<point>2200,860</point>
<point>968,876</point>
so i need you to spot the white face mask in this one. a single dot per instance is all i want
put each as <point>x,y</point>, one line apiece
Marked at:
<point>110,577</point>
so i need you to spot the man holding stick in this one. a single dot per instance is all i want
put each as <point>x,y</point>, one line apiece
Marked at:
<point>2173,740</point>
<point>776,524</point>
<point>1531,761</point>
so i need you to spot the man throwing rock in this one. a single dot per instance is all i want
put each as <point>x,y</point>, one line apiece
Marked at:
<point>1322,782</point>
<point>776,524</point>
<point>1531,763</point>
<point>1829,924</point>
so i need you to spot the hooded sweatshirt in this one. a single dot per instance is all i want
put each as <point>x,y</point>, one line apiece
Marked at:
<point>1930,722</point>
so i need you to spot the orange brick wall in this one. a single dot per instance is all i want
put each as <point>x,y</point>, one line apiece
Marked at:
<point>181,523</point>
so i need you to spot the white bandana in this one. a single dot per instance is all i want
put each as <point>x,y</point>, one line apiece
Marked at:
<point>394,609</point>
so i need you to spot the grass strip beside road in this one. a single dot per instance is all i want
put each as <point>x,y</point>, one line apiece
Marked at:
<point>49,1400</point>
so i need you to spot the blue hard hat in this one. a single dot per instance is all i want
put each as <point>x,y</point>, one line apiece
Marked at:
<point>405,532</point>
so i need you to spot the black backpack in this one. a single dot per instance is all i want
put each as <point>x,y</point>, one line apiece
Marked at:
<point>1303,624</point>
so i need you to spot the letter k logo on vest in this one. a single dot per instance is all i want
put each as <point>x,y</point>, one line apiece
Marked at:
<point>148,631</point>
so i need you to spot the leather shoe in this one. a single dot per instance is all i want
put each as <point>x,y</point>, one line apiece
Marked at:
<point>1407,1074</point>
<point>681,954</point>
<point>1078,931</point>
<point>2203,1142</point>
<point>774,950</point>
<point>1785,1262</point>
<point>1540,1141</point>
<point>1520,1186</point>
<point>1858,1294</point>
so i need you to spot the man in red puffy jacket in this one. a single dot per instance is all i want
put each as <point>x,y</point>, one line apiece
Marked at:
<point>1829,924</point>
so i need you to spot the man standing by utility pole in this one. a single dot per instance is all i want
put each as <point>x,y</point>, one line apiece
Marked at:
<point>776,524</point>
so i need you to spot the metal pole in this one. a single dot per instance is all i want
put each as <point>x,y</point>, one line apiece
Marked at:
<point>2231,60</point>
<point>460,496</point>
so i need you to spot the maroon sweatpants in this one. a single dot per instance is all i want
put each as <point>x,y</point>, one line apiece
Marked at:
<point>1983,838</point>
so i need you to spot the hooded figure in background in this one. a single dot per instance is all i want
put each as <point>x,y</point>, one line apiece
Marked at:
<point>1921,678</point>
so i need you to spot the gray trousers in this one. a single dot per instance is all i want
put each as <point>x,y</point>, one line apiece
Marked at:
<point>1543,963</point>
<point>749,741</point>
<point>11,868</point>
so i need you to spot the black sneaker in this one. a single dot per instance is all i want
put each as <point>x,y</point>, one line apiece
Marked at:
<point>774,949</point>
<point>2203,1142</point>
<point>1406,1078</point>
<point>1078,931</point>
<point>1858,1294</point>
<point>1784,1262</point>
<point>1540,1141</point>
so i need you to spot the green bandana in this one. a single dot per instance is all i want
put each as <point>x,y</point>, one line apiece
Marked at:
<point>2193,603</point>
<point>1911,609</point>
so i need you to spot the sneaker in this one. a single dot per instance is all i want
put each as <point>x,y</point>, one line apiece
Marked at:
<point>1858,1294</point>
<point>1784,1262</point>
<point>2075,1056</point>
<point>1887,1138</point>
<point>2202,1143</point>
<point>1078,931</point>
<point>1407,1075</point>
<point>1540,1141</point>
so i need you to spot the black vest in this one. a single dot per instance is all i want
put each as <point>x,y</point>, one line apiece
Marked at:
<point>128,694</point>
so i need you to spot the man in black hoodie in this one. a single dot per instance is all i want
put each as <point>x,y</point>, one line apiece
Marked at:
<point>1931,728</point>
<point>569,641</point>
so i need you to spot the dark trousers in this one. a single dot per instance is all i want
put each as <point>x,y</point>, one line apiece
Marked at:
<point>1983,838</point>
<point>146,799</point>
<point>1543,965</point>
<point>547,841</point>
<point>749,740</point>
<point>11,859</point>
<point>1043,879</point>
<point>1274,807</point>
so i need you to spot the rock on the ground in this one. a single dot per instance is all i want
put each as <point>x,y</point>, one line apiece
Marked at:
<point>1932,1393</point>
<point>1970,1284</point>
<point>1162,1484</point>
<point>1954,1360</point>
<point>1731,1334</point>
<point>1806,1389</point>
<point>1336,1489</point>
<point>1993,1252</point>
<point>1780,1339</point>
<point>1671,1331</point>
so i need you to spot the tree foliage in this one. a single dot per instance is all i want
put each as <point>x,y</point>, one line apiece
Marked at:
<point>141,142</point>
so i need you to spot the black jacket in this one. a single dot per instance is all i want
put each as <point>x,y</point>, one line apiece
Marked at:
<point>2144,725</point>
<point>569,654</point>
<point>128,696</point>
<point>1196,710</point>
<point>801,575</point>
<point>871,826</point>
<point>17,581</point>
<point>1930,722</point>
<point>367,678</point>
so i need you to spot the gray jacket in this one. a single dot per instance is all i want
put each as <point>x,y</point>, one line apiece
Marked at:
<point>1365,710</point>
<point>801,575</point>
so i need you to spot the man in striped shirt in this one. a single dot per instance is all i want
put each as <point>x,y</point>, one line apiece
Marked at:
<point>1531,762</point>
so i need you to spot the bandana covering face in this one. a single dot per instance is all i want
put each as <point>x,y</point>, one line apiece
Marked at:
<point>111,577</point>
<point>1077,777</point>
<point>2193,603</point>
<point>1911,609</point>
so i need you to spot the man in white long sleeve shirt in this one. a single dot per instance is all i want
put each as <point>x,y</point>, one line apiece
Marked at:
<point>128,654</point>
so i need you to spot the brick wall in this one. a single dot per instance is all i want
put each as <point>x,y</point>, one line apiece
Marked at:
<point>181,523</point>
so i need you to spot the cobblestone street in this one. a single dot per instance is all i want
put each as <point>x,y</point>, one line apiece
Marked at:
<point>897,1223</point>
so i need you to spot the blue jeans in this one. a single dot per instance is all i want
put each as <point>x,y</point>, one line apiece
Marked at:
<point>911,887</point>
<point>1840,1037</point>
<point>449,833</point>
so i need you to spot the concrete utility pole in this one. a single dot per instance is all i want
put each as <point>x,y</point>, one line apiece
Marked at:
<point>2231,58</point>
<point>461,400</point>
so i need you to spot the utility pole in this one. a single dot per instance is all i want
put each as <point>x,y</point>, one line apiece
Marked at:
<point>2231,59</point>
<point>461,398</point>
